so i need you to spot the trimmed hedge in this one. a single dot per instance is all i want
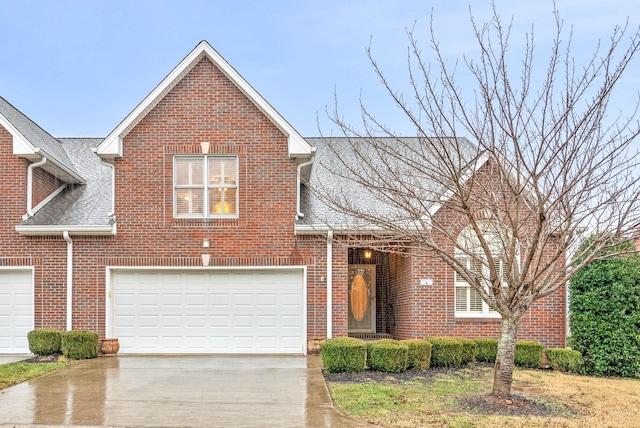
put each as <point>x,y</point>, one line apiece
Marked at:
<point>486,350</point>
<point>343,354</point>
<point>528,354</point>
<point>469,350</point>
<point>80,344</point>
<point>445,351</point>
<point>564,360</point>
<point>387,355</point>
<point>419,354</point>
<point>44,341</point>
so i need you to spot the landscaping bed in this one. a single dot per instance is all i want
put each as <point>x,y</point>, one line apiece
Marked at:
<point>476,378</point>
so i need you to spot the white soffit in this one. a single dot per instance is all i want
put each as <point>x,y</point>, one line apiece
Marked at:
<point>111,147</point>
<point>21,146</point>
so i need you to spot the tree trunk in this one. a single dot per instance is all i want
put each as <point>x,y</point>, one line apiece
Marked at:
<point>503,373</point>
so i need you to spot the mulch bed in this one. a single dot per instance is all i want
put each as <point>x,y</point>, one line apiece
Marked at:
<point>53,358</point>
<point>517,405</point>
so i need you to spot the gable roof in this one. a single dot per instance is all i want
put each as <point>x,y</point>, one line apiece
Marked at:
<point>79,210</point>
<point>333,159</point>
<point>112,145</point>
<point>34,143</point>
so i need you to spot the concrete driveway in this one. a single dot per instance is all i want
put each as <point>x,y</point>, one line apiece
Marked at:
<point>169,391</point>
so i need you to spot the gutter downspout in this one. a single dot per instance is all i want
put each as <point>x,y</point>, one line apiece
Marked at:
<point>67,238</point>
<point>30,169</point>
<point>300,214</point>
<point>329,284</point>
<point>113,187</point>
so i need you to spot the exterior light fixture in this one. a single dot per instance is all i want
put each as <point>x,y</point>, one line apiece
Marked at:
<point>367,254</point>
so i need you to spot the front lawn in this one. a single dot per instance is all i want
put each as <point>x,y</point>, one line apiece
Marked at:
<point>14,373</point>
<point>459,398</point>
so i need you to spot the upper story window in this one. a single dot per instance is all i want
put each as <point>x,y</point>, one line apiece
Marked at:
<point>468,302</point>
<point>205,186</point>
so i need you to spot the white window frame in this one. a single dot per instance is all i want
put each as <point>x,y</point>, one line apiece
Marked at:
<point>460,283</point>
<point>468,247</point>
<point>205,187</point>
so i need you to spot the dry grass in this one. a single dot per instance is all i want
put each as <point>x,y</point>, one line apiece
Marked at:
<point>458,399</point>
<point>598,402</point>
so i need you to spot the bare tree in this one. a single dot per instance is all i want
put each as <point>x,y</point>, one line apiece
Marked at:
<point>547,161</point>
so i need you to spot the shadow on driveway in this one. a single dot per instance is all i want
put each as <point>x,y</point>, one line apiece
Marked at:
<point>168,391</point>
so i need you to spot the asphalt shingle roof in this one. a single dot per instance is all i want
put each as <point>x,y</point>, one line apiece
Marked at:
<point>38,137</point>
<point>80,205</point>
<point>330,173</point>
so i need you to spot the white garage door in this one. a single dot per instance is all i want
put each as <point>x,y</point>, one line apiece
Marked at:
<point>16,310</point>
<point>259,311</point>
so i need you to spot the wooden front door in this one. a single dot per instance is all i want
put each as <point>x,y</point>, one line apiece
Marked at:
<point>362,298</point>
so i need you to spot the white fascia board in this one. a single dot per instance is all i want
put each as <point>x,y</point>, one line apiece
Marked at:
<point>21,146</point>
<point>466,175</point>
<point>320,229</point>
<point>73,230</point>
<point>112,145</point>
<point>61,170</point>
<point>24,149</point>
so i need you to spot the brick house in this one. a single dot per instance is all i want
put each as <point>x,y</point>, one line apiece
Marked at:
<point>188,229</point>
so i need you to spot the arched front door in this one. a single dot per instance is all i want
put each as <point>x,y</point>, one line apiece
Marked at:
<point>362,298</point>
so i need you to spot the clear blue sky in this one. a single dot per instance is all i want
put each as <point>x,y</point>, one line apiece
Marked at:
<point>77,68</point>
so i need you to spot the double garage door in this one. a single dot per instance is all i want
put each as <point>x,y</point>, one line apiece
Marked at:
<point>204,311</point>
<point>16,310</point>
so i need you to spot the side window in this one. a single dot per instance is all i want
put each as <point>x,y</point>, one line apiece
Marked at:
<point>468,302</point>
<point>205,186</point>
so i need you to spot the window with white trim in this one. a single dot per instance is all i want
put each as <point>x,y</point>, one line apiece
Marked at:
<point>205,186</point>
<point>468,301</point>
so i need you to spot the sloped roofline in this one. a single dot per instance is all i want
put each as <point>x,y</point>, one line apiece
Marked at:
<point>473,167</point>
<point>23,148</point>
<point>111,147</point>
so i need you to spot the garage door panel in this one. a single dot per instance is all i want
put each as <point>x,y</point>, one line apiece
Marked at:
<point>230,312</point>
<point>266,321</point>
<point>243,300</point>
<point>16,310</point>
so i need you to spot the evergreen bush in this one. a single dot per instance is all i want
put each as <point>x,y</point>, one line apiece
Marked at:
<point>419,354</point>
<point>343,354</point>
<point>387,355</point>
<point>564,360</point>
<point>44,341</point>
<point>528,354</point>
<point>469,350</point>
<point>80,344</point>
<point>605,315</point>
<point>445,351</point>
<point>486,350</point>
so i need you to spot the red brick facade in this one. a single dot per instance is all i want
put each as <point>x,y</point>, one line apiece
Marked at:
<point>206,106</point>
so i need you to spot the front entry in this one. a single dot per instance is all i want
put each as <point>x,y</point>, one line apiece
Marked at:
<point>362,298</point>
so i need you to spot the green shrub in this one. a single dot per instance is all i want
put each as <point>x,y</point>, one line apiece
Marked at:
<point>445,351</point>
<point>387,355</point>
<point>80,344</point>
<point>569,342</point>
<point>564,360</point>
<point>605,320</point>
<point>528,354</point>
<point>486,350</point>
<point>419,354</point>
<point>343,354</point>
<point>469,350</point>
<point>44,341</point>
